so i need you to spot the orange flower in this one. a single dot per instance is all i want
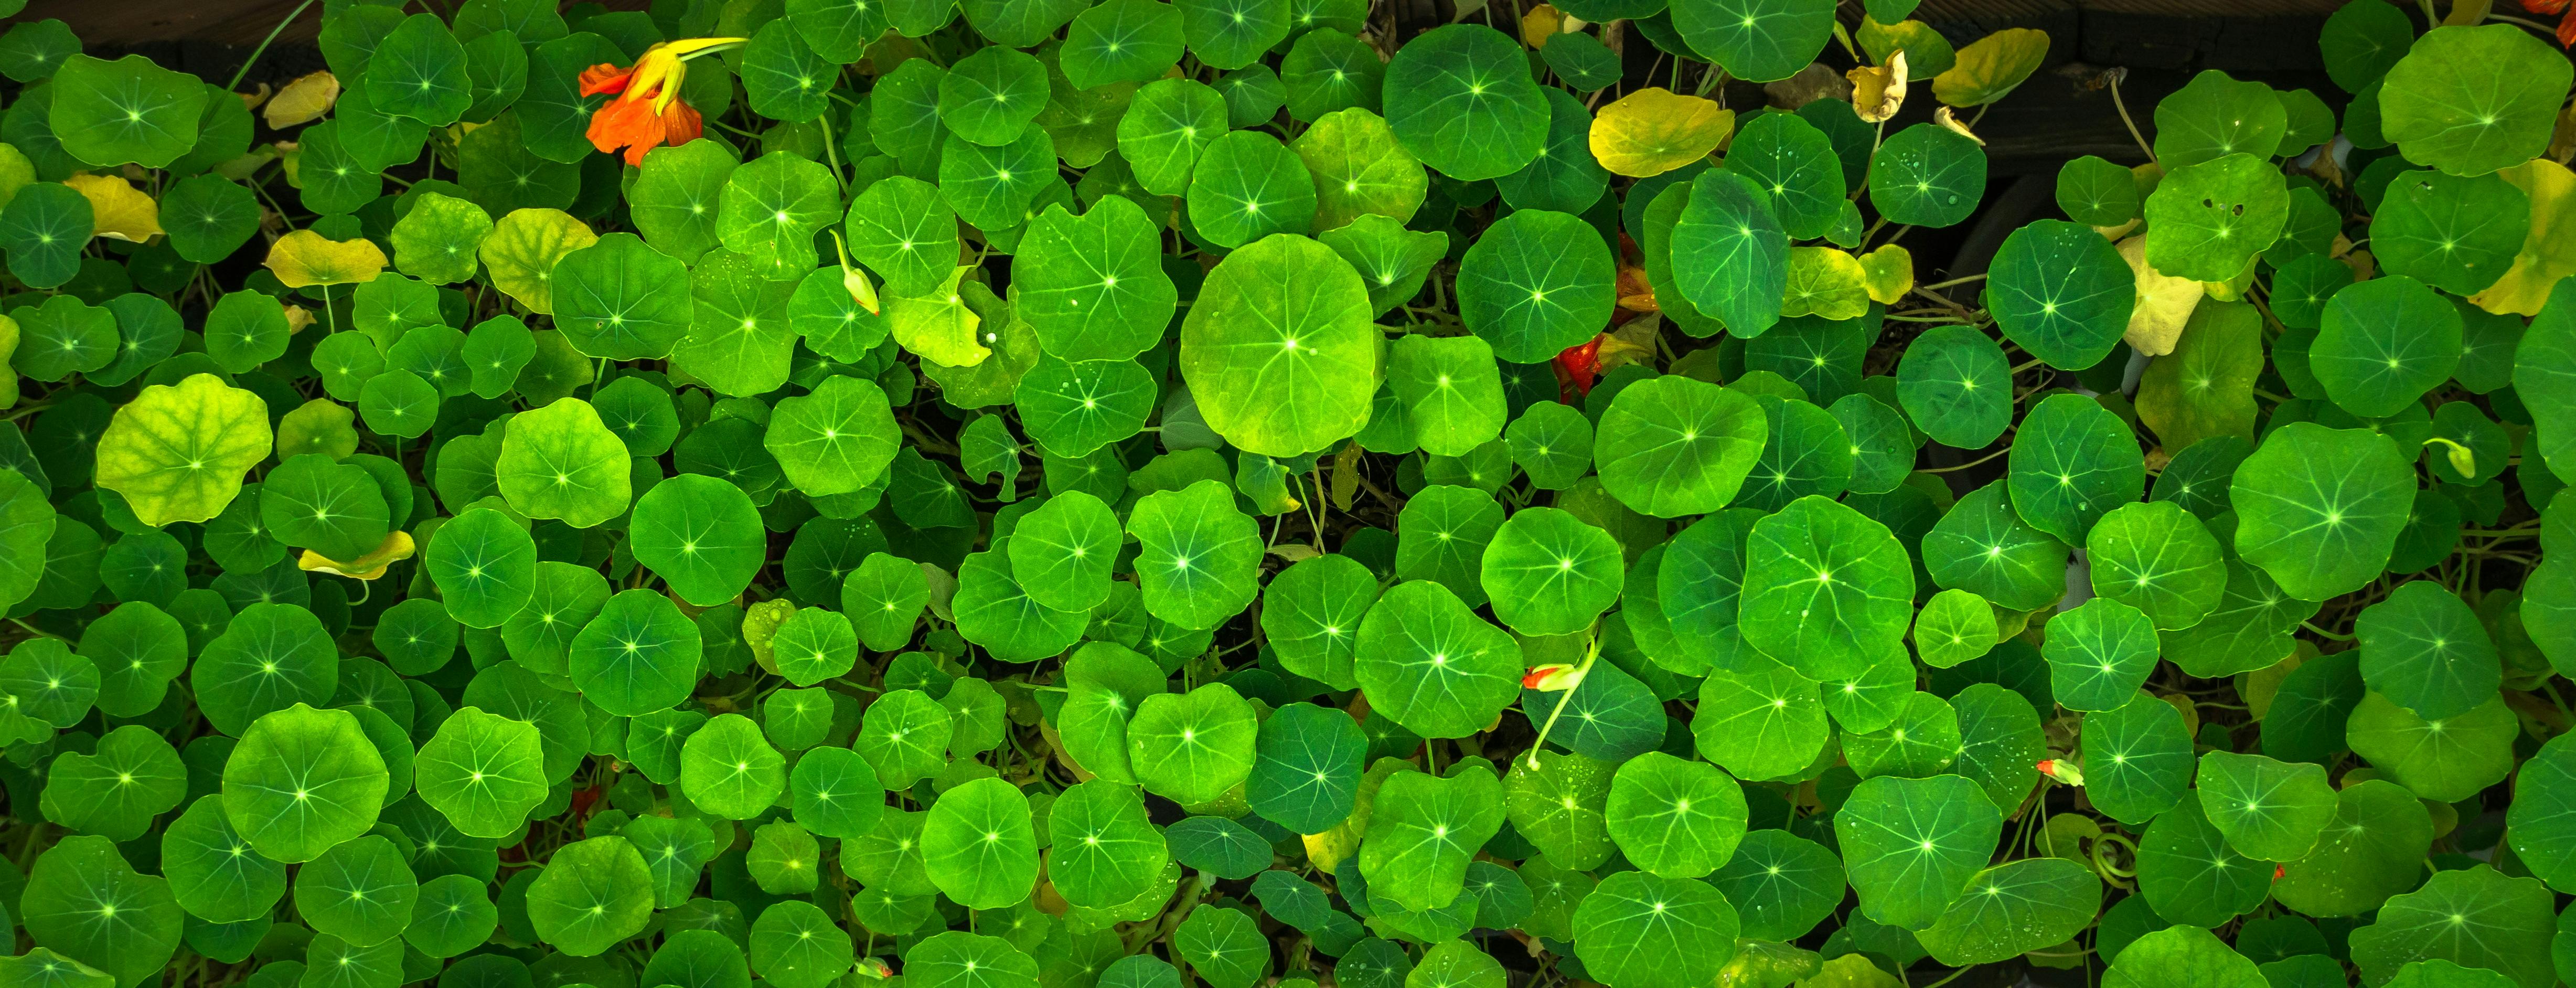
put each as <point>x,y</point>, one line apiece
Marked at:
<point>648,112</point>
<point>2566,25</point>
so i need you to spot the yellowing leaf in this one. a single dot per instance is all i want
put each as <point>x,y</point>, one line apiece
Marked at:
<point>178,452</point>
<point>1653,131</point>
<point>938,326</point>
<point>1927,53</point>
<point>8,349</point>
<point>303,100</point>
<point>521,251</point>
<point>123,212</point>
<point>1989,69</point>
<point>1825,282</point>
<point>396,548</point>
<point>1950,122</point>
<point>16,172</point>
<point>2548,251</point>
<point>1541,23</point>
<point>2164,303</point>
<point>303,259</point>
<point>1888,272</point>
<point>1879,91</point>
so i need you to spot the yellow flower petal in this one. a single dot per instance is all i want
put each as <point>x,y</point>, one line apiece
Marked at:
<point>303,259</point>
<point>1653,131</point>
<point>303,100</point>
<point>123,212</point>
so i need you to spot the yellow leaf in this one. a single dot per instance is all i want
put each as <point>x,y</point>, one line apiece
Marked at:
<point>1541,23</point>
<point>2164,303</point>
<point>1825,282</point>
<point>1878,91</point>
<point>16,172</point>
<point>1653,131</point>
<point>123,212</point>
<point>1989,69</point>
<point>1950,121</point>
<point>938,325</point>
<point>8,349</point>
<point>304,259</point>
<point>521,251</point>
<point>396,547</point>
<point>1888,272</point>
<point>2549,251</point>
<point>303,100</point>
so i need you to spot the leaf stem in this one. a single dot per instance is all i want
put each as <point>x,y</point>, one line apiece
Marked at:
<point>255,53</point>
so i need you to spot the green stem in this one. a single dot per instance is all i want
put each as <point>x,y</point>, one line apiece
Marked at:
<point>255,53</point>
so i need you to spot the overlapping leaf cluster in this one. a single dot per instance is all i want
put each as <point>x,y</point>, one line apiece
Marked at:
<point>1047,494</point>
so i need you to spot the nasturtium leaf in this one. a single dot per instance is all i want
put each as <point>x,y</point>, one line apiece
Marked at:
<point>2385,342</point>
<point>1279,350</point>
<point>2470,100</point>
<point>728,769</point>
<point>1674,818</point>
<point>2215,115</point>
<point>1167,126</point>
<point>2268,809</point>
<point>1671,446</point>
<point>484,564</point>
<point>2207,221</point>
<point>2423,648</point>
<point>1199,557</point>
<point>270,657</point>
<point>2072,462</point>
<point>676,195</point>
<point>117,790</point>
<point>301,781</point>
<point>2156,557</point>
<point>561,461</point>
<point>208,218</point>
<point>638,654</point>
<point>1730,253</point>
<point>1192,747</point>
<point>2436,759</point>
<point>2475,917</point>
<point>1311,614</point>
<point>2099,653</point>
<point>615,298</point>
<point>2456,234</point>
<point>702,535</point>
<point>1122,41</point>
<point>1913,845</point>
<point>332,508</point>
<point>2374,849</point>
<point>771,208</point>
<point>1536,283</point>
<point>178,452</point>
<point>2013,908</point>
<point>993,610</point>
<point>958,959</point>
<point>1358,167</point>
<point>837,439</point>
<point>1549,572</point>
<point>1759,724</point>
<point>1461,99</point>
<point>1433,666</point>
<point>129,110</point>
<point>1640,930</point>
<point>2320,509</point>
<point>483,771</point>
<point>592,895</point>
<point>82,901</point>
<point>1956,386</point>
<point>1061,553</point>
<point>2060,292</point>
<point>361,891</point>
<point>1422,832</point>
<point>1248,186</point>
<point>979,846</point>
<point>2188,874</point>
<point>1092,286</point>
<point>214,872</point>
<point>1104,849</point>
<point>1755,40</point>
<point>1926,175</point>
<point>1826,588</point>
